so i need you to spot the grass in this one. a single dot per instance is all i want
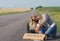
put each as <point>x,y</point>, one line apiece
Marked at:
<point>54,13</point>
<point>6,11</point>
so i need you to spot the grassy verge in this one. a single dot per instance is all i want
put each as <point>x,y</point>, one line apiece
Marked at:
<point>14,12</point>
<point>54,13</point>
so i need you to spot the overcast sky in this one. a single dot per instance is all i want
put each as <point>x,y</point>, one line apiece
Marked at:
<point>28,3</point>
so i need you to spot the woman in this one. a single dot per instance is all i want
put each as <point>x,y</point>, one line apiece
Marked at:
<point>32,25</point>
<point>44,25</point>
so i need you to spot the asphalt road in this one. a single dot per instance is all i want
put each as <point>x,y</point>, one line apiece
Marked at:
<point>13,27</point>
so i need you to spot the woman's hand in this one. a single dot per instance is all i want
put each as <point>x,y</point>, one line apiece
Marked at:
<point>37,29</point>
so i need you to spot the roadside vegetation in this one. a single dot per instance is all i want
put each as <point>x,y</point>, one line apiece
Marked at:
<point>6,11</point>
<point>54,13</point>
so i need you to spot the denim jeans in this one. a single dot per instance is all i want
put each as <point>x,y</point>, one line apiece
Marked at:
<point>51,31</point>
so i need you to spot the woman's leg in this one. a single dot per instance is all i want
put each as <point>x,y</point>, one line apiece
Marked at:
<point>52,30</point>
<point>42,30</point>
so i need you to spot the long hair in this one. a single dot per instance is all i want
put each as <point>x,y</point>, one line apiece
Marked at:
<point>32,23</point>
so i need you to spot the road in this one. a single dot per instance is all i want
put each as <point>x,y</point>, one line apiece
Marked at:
<point>13,27</point>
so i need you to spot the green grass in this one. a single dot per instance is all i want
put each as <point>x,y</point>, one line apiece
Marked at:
<point>54,13</point>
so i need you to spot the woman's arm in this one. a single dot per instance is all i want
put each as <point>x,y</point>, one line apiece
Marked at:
<point>41,22</point>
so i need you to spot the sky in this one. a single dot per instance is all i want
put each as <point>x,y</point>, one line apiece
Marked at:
<point>28,3</point>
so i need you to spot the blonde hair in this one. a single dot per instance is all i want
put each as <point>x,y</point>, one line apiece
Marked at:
<point>33,24</point>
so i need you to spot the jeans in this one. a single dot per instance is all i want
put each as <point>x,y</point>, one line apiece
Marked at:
<point>51,31</point>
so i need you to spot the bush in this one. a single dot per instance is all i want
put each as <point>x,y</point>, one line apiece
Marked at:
<point>39,7</point>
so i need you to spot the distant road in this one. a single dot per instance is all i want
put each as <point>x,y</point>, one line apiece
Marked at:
<point>13,27</point>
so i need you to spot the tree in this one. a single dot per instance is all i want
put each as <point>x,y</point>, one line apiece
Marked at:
<point>39,7</point>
